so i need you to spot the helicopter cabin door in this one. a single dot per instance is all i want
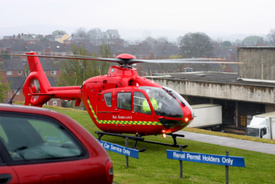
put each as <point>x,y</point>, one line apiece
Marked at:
<point>105,107</point>
<point>123,106</point>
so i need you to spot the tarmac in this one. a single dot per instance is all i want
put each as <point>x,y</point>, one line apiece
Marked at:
<point>230,142</point>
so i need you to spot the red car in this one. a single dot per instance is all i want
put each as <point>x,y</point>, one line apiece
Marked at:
<point>42,146</point>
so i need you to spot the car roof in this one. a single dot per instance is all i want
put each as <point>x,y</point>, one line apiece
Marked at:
<point>26,109</point>
<point>64,119</point>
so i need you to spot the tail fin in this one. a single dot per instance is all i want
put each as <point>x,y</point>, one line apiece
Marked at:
<point>36,86</point>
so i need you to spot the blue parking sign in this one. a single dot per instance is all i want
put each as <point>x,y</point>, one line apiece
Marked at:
<point>206,158</point>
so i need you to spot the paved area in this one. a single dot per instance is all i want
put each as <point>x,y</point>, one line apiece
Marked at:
<point>230,142</point>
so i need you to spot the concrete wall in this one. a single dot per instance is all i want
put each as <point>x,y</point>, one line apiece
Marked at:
<point>238,92</point>
<point>259,62</point>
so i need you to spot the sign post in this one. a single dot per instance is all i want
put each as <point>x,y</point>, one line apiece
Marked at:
<point>227,171</point>
<point>180,163</point>
<point>207,159</point>
<point>127,158</point>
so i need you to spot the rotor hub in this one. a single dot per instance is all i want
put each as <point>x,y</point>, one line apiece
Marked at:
<point>125,56</point>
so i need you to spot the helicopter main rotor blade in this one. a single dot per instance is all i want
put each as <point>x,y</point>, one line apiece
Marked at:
<point>132,60</point>
<point>116,60</point>
<point>186,60</point>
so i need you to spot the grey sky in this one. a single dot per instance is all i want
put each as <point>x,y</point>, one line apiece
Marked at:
<point>137,18</point>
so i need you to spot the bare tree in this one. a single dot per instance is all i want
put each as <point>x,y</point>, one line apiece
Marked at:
<point>81,33</point>
<point>95,34</point>
<point>112,34</point>
<point>196,45</point>
<point>150,41</point>
<point>162,40</point>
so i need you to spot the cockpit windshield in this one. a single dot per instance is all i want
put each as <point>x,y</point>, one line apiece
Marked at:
<point>180,98</point>
<point>163,103</point>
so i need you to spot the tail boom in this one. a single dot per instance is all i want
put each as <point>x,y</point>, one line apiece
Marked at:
<point>37,89</point>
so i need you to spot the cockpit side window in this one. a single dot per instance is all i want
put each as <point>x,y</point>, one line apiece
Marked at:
<point>140,103</point>
<point>124,101</point>
<point>163,103</point>
<point>108,99</point>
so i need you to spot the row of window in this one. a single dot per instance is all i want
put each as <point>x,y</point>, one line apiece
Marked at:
<point>9,72</point>
<point>124,101</point>
<point>164,103</point>
<point>53,104</point>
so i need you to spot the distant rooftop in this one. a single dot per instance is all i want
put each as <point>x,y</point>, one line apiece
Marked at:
<point>215,77</point>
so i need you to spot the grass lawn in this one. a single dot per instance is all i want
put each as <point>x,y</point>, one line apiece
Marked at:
<point>154,167</point>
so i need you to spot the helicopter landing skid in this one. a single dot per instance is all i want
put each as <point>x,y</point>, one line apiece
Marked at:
<point>139,138</point>
<point>135,138</point>
<point>174,136</point>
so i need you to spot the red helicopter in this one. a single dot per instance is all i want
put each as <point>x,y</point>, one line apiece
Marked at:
<point>119,102</point>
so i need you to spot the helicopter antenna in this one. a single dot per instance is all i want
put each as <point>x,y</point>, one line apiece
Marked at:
<point>20,86</point>
<point>10,100</point>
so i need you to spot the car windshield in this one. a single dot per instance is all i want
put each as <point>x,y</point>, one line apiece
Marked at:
<point>163,103</point>
<point>254,132</point>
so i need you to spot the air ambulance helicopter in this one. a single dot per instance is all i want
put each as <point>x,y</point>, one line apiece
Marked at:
<point>121,101</point>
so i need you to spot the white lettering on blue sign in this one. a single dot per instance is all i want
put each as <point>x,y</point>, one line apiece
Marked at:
<point>193,157</point>
<point>210,159</point>
<point>126,152</point>
<point>206,158</point>
<point>106,146</point>
<point>115,148</point>
<point>177,155</point>
<point>119,149</point>
<point>227,161</point>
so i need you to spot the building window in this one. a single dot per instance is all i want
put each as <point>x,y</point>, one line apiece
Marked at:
<point>54,103</point>
<point>19,72</point>
<point>53,72</point>
<point>9,72</point>
<point>18,92</point>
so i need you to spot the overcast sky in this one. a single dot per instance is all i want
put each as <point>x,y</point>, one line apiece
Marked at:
<point>135,19</point>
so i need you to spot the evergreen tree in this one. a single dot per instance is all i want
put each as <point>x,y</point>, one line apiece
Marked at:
<point>4,89</point>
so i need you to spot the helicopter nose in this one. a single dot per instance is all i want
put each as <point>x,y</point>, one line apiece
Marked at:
<point>169,123</point>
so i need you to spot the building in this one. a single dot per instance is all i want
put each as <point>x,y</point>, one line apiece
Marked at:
<point>61,38</point>
<point>15,70</point>
<point>258,62</point>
